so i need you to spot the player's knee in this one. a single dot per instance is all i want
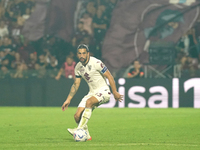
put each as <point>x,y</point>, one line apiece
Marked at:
<point>89,104</point>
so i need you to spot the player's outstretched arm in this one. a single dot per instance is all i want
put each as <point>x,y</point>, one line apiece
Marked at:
<point>72,92</point>
<point>111,80</point>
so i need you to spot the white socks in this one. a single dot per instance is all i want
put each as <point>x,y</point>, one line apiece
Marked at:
<point>85,117</point>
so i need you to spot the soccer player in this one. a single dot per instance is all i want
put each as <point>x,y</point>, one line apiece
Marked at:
<point>94,72</point>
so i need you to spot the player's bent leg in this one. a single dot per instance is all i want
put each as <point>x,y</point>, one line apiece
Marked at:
<point>77,117</point>
<point>91,102</point>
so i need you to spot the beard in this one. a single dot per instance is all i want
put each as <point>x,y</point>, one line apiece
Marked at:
<point>83,60</point>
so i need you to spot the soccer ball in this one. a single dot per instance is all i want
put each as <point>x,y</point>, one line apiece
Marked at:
<point>80,135</point>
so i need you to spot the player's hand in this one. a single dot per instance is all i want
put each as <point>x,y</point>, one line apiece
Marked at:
<point>65,105</point>
<point>118,97</point>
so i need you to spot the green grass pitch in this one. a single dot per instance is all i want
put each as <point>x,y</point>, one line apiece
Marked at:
<point>45,128</point>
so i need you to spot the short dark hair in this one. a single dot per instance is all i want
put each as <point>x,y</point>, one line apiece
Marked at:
<point>83,46</point>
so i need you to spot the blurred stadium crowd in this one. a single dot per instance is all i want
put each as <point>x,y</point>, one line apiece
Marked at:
<point>52,57</point>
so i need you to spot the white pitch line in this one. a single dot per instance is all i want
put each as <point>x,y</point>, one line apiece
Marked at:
<point>136,144</point>
<point>77,144</point>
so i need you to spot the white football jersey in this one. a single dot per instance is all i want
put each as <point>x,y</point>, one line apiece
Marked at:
<point>92,73</point>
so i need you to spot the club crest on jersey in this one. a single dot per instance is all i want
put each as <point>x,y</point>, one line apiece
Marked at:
<point>89,67</point>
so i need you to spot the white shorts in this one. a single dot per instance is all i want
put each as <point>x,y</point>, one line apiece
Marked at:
<point>103,96</point>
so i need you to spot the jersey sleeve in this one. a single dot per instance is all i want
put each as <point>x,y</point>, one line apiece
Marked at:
<point>77,72</point>
<point>101,67</point>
